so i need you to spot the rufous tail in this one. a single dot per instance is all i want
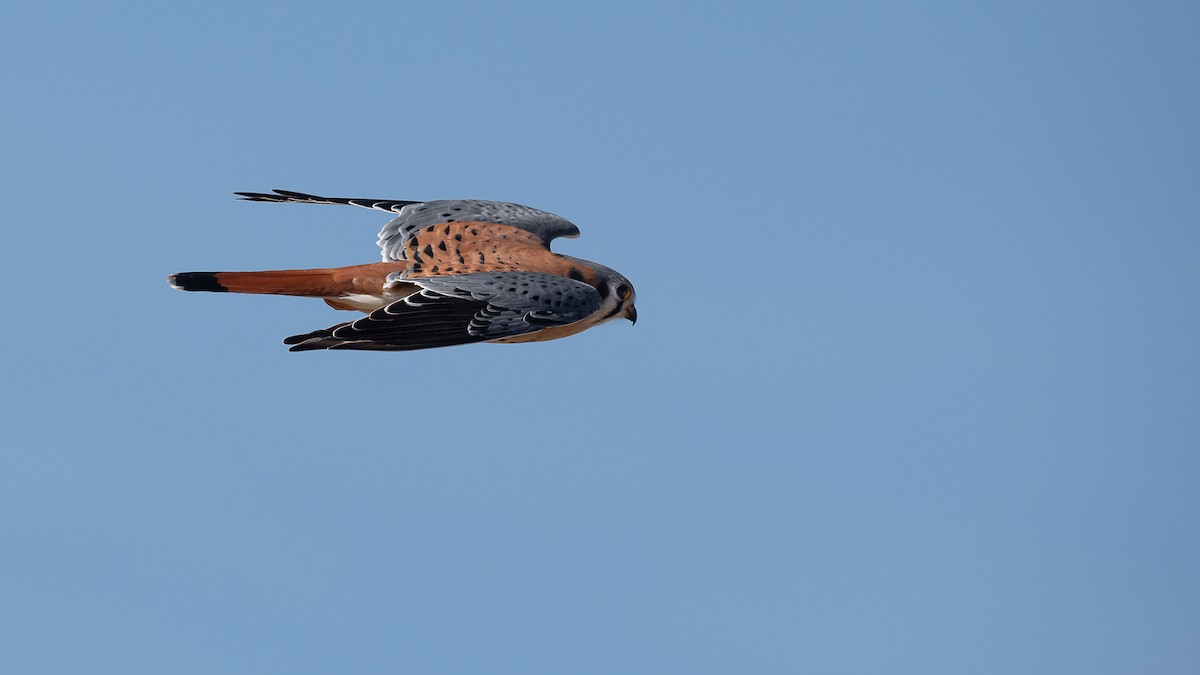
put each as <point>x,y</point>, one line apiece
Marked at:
<point>310,283</point>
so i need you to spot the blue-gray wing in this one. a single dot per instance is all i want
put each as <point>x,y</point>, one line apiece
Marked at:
<point>454,310</point>
<point>414,218</point>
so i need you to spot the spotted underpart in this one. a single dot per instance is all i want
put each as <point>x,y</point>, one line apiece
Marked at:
<point>417,218</point>
<point>461,310</point>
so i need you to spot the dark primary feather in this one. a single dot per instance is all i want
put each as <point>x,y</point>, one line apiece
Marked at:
<point>401,326</point>
<point>287,196</point>
<point>322,333</point>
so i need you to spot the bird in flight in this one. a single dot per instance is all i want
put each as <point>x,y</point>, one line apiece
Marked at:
<point>454,272</point>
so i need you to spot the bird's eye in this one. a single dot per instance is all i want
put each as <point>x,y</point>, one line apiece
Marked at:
<point>622,291</point>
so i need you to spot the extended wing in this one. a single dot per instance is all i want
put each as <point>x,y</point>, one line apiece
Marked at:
<point>415,218</point>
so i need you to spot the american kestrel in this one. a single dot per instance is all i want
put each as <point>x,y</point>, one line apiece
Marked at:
<point>454,272</point>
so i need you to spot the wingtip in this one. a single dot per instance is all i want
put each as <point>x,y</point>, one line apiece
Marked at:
<point>260,196</point>
<point>309,345</point>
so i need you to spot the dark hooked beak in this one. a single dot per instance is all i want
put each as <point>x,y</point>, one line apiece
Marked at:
<point>631,314</point>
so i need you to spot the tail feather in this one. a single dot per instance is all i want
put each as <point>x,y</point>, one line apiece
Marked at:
<point>196,281</point>
<point>308,283</point>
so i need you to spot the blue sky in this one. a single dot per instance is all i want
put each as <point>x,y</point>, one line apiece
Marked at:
<point>914,385</point>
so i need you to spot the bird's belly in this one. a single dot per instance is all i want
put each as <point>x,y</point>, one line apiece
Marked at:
<point>552,333</point>
<point>368,302</point>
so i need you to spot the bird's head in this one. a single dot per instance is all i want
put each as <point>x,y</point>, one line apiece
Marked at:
<point>617,295</point>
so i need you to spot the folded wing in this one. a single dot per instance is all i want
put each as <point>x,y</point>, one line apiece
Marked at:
<point>462,309</point>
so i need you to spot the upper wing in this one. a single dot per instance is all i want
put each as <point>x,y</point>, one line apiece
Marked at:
<point>415,217</point>
<point>426,217</point>
<point>462,309</point>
